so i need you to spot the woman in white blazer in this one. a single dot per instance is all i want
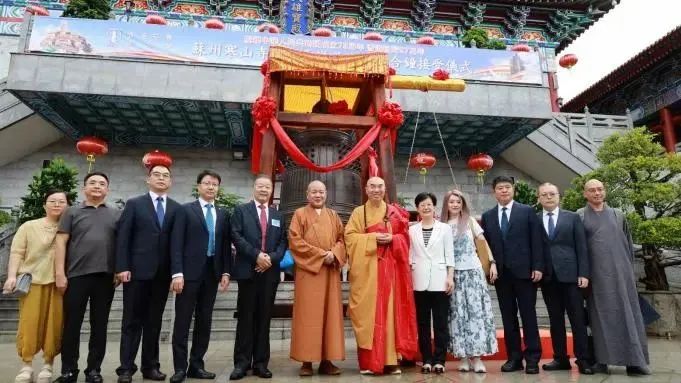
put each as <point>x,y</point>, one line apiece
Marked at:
<point>431,255</point>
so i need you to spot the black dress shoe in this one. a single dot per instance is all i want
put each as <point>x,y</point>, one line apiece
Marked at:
<point>584,367</point>
<point>600,368</point>
<point>262,372</point>
<point>532,368</point>
<point>154,375</point>
<point>125,377</point>
<point>512,365</point>
<point>556,365</point>
<point>237,374</point>
<point>638,370</point>
<point>200,373</point>
<point>94,377</point>
<point>68,377</point>
<point>179,377</point>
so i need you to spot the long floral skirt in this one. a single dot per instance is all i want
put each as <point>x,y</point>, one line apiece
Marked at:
<point>471,319</point>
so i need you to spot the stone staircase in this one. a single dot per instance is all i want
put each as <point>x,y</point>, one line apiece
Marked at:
<point>224,323</point>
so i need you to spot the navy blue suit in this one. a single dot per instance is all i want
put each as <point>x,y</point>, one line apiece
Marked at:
<point>142,248</point>
<point>517,254</point>
<point>189,256</point>
<point>567,258</point>
<point>256,290</point>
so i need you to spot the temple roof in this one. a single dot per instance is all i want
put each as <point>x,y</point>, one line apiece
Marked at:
<point>638,64</point>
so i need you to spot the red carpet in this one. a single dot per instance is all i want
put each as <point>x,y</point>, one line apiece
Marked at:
<point>546,348</point>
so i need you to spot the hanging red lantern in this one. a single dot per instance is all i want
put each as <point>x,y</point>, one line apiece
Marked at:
<point>322,32</point>
<point>269,28</point>
<point>214,24</point>
<point>568,61</point>
<point>157,158</point>
<point>521,48</point>
<point>481,163</point>
<point>373,36</point>
<point>37,10</point>
<point>426,40</point>
<point>423,162</point>
<point>91,147</point>
<point>156,20</point>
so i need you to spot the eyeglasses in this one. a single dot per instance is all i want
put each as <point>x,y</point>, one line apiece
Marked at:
<point>51,202</point>
<point>209,184</point>
<point>165,176</point>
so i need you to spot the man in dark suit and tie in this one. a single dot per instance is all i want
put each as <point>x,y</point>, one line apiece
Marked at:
<point>567,272</point>
<point>259,234</point>
<point>143,266</point>
<point>200,253</point>
<point>514,236</point>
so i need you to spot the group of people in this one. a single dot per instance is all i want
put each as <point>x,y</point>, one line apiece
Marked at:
<point>401,275</point>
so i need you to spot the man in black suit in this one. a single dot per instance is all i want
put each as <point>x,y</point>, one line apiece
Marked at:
<point>259,234</point>
<point>200,254</point>
<point>143,266</point>
<point>567,272</point>
<point>514,236</point>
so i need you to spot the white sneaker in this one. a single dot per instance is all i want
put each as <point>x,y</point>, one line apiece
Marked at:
<point>478,366</point>
<point>25,375</point>
<point>366,372</point>
<point>465,365</point>
<point>45,375</point>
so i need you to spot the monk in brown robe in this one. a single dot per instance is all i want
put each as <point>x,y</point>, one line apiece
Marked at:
<point>316,243</point>
<point>381,304</point>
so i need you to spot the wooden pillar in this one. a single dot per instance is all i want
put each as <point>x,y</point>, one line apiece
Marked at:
<point>385,148</point>
<point>668,132</point>
<point>268,151</point>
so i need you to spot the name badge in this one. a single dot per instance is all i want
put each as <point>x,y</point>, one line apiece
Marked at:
<point>276,223</point>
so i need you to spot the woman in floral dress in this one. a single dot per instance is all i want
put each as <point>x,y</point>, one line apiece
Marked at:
<point>472,329</point>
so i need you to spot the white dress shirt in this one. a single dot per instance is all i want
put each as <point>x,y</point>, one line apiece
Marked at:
<point>257,209</point>
<point>545,218</point>
<point>508,207</point>
<point>203,204</point>
<point>164,201</point>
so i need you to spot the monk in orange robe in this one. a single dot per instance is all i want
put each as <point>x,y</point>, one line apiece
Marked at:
<point>316,243</point>
<point>381,304</point>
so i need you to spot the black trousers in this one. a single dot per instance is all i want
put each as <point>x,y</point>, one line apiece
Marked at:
<point>519,295</point>
<point>197,300</point>
<point>143,305</point>
<point>437,304</point>
<point>255,300</point>
<point>560,298</point>
<point>97,289</point>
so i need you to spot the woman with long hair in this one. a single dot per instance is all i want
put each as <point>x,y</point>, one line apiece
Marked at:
<point>40,311</point>
<point>472,330</point>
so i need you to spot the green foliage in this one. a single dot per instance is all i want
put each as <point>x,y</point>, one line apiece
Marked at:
<point>477,34</point>
<point>526,194</point>
<point>495,44</point>
<point>88,9</point>
<point>5,218</point>
<point>403,201</point>
<point>224,200</point>
<point>58,175</point>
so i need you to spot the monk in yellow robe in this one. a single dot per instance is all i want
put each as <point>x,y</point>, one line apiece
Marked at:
<point>381,304</point>
<point>316,243</point>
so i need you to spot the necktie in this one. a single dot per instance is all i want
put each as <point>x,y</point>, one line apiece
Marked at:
<point>263,226</point>
<point>552,225</point>
<point>160,213</point>
<point>504,221</point>
<point>211,229</point>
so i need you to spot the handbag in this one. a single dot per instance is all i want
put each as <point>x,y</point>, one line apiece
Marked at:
<point>483,251</point>
<point>22,286</point>
<point>287,261</point>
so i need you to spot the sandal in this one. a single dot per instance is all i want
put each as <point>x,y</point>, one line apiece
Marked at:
<point>426,368</point>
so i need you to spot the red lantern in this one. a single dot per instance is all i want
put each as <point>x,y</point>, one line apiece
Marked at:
<point>37,10</point>
<point>521,48</point>
<point>568,61</point>
<point>426,40</point>
<point>91,147</point>
<point>269,28</point>
<point>373,36</point>
<point>423,162</point>
<point>322,32</point>
<point>157,158</point>
<point>214,24</point>
<point>156,20</point>
<point>481,163</point>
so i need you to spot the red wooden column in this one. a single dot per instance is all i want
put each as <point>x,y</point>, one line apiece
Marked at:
<point>268,152</point>
<point>668,132</point>
<point>385,148</point>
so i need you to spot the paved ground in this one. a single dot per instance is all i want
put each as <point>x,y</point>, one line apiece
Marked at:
<point>665,355</point>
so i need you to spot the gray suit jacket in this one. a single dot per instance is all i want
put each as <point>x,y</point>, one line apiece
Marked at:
<point>566,253</point>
